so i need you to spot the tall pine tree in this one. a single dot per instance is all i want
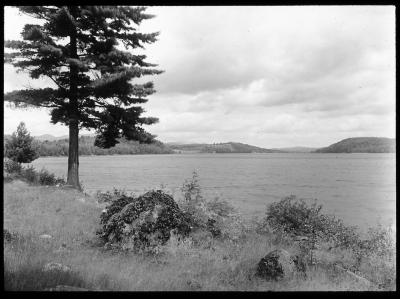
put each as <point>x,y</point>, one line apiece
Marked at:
<point>77,47</point>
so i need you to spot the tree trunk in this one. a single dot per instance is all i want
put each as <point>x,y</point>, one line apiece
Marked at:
<point>73,150</point>
<point>73,155</point>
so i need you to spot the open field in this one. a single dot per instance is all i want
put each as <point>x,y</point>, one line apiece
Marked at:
<point>71,218</point>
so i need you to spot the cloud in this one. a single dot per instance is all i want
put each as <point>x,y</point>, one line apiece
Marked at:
<point>269,76</point>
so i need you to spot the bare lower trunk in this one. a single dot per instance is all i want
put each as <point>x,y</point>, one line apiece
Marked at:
<point>73,151</point>
<point>73,155</point>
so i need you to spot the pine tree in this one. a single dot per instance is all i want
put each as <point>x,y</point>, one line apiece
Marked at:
<point>78,48</point>
<point>19,147</point>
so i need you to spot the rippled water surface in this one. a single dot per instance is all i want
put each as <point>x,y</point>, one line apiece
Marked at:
<point>360,188</point>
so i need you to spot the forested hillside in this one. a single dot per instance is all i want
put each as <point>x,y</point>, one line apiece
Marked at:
<point>361,145</point>
<point>86,147</point>
<point>229,147</point>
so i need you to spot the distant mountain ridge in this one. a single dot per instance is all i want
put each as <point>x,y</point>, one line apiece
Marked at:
<point>219,148</point>
<point>361,145</point>
<point>49,137</point>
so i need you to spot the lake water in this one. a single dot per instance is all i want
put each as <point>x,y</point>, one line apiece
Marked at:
<point>359,188</point>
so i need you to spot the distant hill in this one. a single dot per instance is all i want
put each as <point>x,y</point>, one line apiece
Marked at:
<point>219,148</point>
<point>361,145</point>
<point>49,137</point>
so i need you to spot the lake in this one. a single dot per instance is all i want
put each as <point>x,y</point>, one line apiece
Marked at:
<point>359,188</point>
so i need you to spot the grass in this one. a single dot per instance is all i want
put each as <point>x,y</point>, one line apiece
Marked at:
<point>213,265</point>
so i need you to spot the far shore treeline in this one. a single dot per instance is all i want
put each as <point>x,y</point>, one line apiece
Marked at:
<point>87,147</point>
<point>53,146</point>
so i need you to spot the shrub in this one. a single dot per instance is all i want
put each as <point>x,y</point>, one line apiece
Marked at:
<point>46,178</point>
<point>30,175</point>
<point>49,179</point>
<point>194,205</point>
<point>216,216</point>
<point>380,241</point>
<point>297,218</point>
<point>294,217</point>
<point>12,167</point>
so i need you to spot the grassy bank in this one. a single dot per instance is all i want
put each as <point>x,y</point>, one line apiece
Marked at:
<point>71,219</point>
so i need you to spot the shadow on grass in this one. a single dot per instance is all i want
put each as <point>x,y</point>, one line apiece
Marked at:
<point>28,278</point>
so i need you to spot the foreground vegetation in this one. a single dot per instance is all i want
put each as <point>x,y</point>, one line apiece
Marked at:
<point>14,170</point>
<point>56,224</point>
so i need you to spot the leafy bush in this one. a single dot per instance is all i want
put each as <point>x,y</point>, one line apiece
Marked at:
<point>292,217</point>
<point>49,179</point>
<point>380,241</point>
<point>30,175</point>
<point>12,167</point>
<point>297,218</point>
<point>216,216</point>
<point>194,205</point>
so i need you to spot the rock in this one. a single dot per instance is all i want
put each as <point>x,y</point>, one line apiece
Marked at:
<point>56,267</point>
<point>145,221</point>
<point>45,236</point>
<point>275,265</point>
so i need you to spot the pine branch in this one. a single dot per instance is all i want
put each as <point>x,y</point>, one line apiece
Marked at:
<point>32,97</point>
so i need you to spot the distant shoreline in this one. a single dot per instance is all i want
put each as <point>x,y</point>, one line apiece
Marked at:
<point>201,153</point>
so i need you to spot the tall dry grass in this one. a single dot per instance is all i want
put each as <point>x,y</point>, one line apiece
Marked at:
<point>200,263</point>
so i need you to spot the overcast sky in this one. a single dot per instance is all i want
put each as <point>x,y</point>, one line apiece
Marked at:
<point>266,76</point>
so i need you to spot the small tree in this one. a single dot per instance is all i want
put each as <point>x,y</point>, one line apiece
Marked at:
<point>19,147</point>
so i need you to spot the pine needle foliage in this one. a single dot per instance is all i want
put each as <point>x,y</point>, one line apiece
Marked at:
<point>19,148</point>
